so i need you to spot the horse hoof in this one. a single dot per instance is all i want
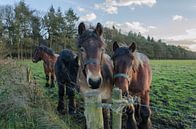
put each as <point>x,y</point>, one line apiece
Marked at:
<point>61,111</point>
<point>47,85</point>
<point>52,86</point>
<point>72,112</point>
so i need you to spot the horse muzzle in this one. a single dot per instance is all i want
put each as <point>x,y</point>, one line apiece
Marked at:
<point>34,61</point>
<point>94,84</point>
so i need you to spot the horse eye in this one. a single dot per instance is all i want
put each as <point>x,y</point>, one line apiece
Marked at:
<point>82,49</point>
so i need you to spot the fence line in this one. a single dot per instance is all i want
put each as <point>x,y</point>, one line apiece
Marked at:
<point>128,101</point>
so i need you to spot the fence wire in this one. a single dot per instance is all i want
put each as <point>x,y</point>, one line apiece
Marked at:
<point>126,102</point>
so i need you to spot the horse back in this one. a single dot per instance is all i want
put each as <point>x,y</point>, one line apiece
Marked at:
<point>142,76</point>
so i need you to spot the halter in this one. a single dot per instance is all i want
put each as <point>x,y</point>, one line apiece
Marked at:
<point>92,61</point>
<point>123,75</point>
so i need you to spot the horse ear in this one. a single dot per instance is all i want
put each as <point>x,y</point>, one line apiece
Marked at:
<point>99,29</point>
<point>81,28</point>
<point>115,45</point>
<point>132,48</point>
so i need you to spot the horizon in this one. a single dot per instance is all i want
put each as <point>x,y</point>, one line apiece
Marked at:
<point>171,21</point>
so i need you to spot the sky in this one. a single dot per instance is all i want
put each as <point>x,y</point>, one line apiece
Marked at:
<point>173,21</point>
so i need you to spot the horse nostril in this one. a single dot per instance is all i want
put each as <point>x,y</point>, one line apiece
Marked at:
<point>94,83</point>
<point>126,94</point>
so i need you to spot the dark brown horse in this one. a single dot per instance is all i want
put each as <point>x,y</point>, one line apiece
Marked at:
<point>49,59</point>
<point>66,69</point>
<point>132,74</point>
<point>96,69</point>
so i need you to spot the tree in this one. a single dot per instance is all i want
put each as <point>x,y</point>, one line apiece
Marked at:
<point>70,19</point>
<point>22,25</point>
<point>50,24</point>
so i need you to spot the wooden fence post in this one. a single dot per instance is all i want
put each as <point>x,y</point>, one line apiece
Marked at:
<point>116,116</point>
<point>93,110</point>
<point>28,69</point>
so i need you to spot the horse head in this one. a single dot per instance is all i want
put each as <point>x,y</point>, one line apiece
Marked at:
<point>123,59</point>
<point>37,54</point>
<point>91,49</point>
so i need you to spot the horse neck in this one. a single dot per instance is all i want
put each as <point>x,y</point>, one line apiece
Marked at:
<point>46,57</point>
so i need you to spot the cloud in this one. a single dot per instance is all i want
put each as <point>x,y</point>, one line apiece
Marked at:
<point>149,3</point>
<point>130,26</point>
<point>111,6</point>
<point>177,18</point>
<point>192,47</point>
<point>190,35</point>
<point>88,17</point>
<point>80,9</point>
<point>110,9</point>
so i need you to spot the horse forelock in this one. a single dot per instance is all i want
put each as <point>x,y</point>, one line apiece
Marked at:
<point>90,33</point>
<point>121,51</point>
<point>137,57</point>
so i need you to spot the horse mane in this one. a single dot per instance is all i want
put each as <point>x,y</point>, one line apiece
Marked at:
<point>137,60</point>
<point>47,50</point>
<point>67,55</point>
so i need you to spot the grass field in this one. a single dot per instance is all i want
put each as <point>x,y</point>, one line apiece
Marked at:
<point>32,106</point>
<point>173,93</point>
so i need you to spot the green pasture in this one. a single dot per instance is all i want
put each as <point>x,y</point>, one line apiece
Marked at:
<point>173,93</point>
<point>33,106</point>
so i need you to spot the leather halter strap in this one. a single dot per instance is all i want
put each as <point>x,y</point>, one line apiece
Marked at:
<point>91,61</point>
<point>123,75</point>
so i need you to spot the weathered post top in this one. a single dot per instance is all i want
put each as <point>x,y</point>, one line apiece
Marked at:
<point>93,112</point>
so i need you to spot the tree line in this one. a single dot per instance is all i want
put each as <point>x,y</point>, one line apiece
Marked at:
<point>22,28</point>
<point>153,49</point>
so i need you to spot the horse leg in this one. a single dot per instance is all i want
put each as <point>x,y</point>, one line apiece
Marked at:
<point>70,92</point>
<point>137,111</point>
<point>52,81</point>
<point>61,90</point>
<point>145,112</point>
<point>47,80</point>
<point>106,118</point>
<point>131,122</point>
<point>47,75</point>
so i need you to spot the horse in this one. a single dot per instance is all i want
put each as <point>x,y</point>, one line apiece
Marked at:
<point>96,68</point>
<point>49,59</point>
<point>66,69</point>
<point>133,75</point>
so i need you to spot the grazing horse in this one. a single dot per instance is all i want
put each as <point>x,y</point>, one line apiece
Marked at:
<point>66,69</point>
<point>49,59</point>
<point>96,68</point>
<point>132,74</point>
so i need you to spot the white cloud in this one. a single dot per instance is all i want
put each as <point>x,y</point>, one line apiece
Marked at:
<point>152,27</point>
<point>81,9</point>
<point>88,17</point>
<point>107,8</point>
<point>190,35</point>
<point>192,47</point>
<point>177,18</point>
<point>111,6</point>
<point>149,3</point>
<point>188,39</point>
<point>130,26</point>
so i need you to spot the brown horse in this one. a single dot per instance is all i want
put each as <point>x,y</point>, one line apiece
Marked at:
<point>96,69</point>
<point>132,74</point>
<point>49,59</point>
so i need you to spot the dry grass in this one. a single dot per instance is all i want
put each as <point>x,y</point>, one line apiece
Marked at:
<point>23,105</point>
